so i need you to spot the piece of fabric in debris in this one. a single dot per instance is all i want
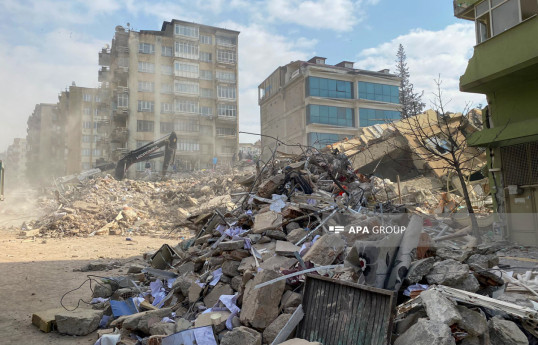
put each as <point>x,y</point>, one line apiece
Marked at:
<point>99,300</point>
<point>415,287</point>
<point>108,339</point>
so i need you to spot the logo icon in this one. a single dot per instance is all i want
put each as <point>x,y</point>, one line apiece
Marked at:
<point>337,229</point>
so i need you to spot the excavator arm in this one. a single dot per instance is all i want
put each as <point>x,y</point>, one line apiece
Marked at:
<point>145,153</point>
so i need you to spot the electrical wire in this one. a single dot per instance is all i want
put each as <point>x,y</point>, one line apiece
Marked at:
<point>90,278</point>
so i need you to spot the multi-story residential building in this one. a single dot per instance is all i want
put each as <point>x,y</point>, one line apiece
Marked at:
<point>15,161</point>
<point>183,79</point>
<point>504,67</point>
<point>312,103</point>
<point>45,141</point>
<point>87,115</point>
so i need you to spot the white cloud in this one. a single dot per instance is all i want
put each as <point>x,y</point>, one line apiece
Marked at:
<point>260,53</point>
<point>338,15</point>
<point>430,54</point>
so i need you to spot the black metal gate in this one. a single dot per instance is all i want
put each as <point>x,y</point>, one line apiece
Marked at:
<point>343,313</point>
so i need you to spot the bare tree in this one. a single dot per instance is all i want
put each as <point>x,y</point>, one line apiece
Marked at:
<point>441,141</point>
<point>410,100</point>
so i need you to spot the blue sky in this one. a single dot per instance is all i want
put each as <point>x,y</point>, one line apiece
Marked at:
<point>48,44</point>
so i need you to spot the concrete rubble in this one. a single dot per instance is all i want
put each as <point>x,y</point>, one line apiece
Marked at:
<point>241,237</point>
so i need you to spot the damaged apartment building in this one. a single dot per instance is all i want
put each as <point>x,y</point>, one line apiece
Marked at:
<point>316,104</point>
<point>182,78</point>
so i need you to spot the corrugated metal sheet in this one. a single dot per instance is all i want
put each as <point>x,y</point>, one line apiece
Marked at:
<point>342,313</point>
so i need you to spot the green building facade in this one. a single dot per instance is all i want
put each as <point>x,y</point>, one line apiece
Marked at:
<point>504,67</point>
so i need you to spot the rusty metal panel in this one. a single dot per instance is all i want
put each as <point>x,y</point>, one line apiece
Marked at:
<point>343,313</point>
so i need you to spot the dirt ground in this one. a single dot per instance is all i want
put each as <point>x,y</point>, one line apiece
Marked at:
<point>35,274</point>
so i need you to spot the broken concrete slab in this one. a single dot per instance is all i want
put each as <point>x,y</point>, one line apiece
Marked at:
<point>504,332</point>
<point>229,268</point>
<point>142,321</point>
<point>231,245</point>
<point>78,322</point>
<point>325,250</point>
<point>470,283</point>
<point>448,272</point>
<point>182,324</point>
<point>484,261</point>
<point>194,292</point>
<point>439,308</point>
<point>242,335</point>
<point>474,323</point>
<point>426,332</point>
<point>162,328</point>
<point>295,235</point>
<point>286,248</point>
<point>419,269</point>
<point>260,306</point>
<point>449,253</point>
<point>276,234</point>
<point>291,299</point>
<point>270,333</point>
<point>220,289</point>
<point>275,263</point>
<point>266,221</point>
<point>45,320</point>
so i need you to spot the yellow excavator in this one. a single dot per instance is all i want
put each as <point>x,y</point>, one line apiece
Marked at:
<point>1,181</point>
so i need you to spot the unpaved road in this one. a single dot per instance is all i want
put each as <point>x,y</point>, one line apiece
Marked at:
<point>35,275</point>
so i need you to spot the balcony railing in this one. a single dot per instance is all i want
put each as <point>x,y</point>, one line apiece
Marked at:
<point>104,57</point>
<point>119,134</point>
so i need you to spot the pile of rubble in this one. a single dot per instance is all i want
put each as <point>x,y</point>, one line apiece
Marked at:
<point>103,206</point>
<point>240,280</point>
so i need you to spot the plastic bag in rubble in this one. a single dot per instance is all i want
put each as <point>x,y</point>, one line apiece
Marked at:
<point>278,203</point>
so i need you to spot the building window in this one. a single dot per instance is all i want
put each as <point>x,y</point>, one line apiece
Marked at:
<point>496,16</point>
<point>146,48</point>
<point>206,75</point>
<point>227,110</point>
<point>87,111</point>
<point>186,126</point>
<point>228,77</point>
<point>87,97</point>
<point>206,111</point>
<point>144,126</point>
<point>95,112</point>
<point>204,39</point>
<point>140,143</point>
<point>226,92</point>
<point>322,87</point>
<point>187,70</point>
<point>88,125</point>
<point>166,51</point>
<point>146,67</point>
<point>185,106</point>
<point>186,49</point>
<point>226,41</point>
<point>167,127</point>
<point>185,87</point>
<point>146,106</point>
<point>438,144</point>
<point>97,98</point>
<point>370,117</point>
<point>226,56</point>
<point>206,57</point>
<point>327,115</point>
<point>96,152</point>
<point>379,92</point>
<point>89,138</point>
<point>166,108</point>
<point>167,70</point>
<point>206,93</point>
<point>86,152</point>
<point>123,61</point>
<point>123,100</point>
<point>187,31</point>
<point>190,145</point>
<point>222,131</point>
<point>167,88</point>
<point>320,140</point>
<point>86,166</point>
<point>146,86</point>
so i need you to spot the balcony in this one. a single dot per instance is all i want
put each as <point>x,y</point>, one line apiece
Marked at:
<point>464,9</point>
<point>104,57</point>
<point>104,74</point>
<point>121,114</point>
<point>227,118</point>
<point>119,135</point>
<point>505,59</point>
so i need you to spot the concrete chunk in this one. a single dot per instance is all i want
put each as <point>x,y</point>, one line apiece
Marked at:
<point>242,335</point>
<point>260,306</point>
<point>439,308</point>
<point>419,269</point>
<point>472,322</point>
<point>286,248</point>
<point>142,321</point>
<point>325,250</point>
<point>232,245</point>
<point>266,221</point>
<point>78,322</point>
<point>270,333</point>
<point>426,332</point>
<point>447,272</point>
<point>504,332</point>
<point>214,295</point>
